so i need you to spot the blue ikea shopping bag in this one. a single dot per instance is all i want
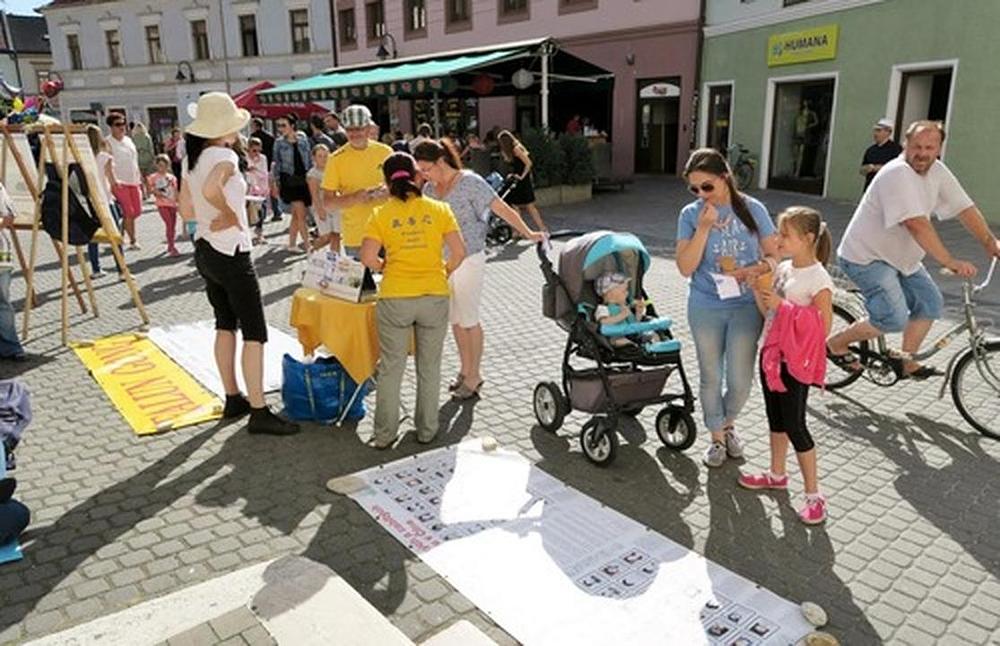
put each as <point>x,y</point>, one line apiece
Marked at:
<point>321,391</point>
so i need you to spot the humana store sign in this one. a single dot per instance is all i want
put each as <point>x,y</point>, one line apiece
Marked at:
<point>804,46</point>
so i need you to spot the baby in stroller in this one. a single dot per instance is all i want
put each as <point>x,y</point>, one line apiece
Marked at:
<point>612,288</point>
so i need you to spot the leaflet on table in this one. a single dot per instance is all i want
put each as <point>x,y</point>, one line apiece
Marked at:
<point>339,276</point>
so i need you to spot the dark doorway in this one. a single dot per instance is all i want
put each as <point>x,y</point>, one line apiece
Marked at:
<point>720,100</point>
<point>657,121</point>
<point>800,136</point>
<point>923,95</point>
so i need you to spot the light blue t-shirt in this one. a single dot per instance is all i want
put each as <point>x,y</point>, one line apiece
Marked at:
<point>729,238</point>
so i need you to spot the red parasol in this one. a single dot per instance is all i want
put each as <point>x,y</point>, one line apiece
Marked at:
<point>248,99</point>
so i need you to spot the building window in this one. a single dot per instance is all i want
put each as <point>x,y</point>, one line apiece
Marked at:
<point>457,15</point>
<point>300,30</point>
<point>348,28</point>
<point>154,47</point>
<point>248,35</point>
<point>572,6</point>
<point>789,3</point>
<point>75,55</point>
<point>114,42</point>
<point>41,76</point>
<point>512,10</point>
<point>199,38</point>
<point>375,20</point>
<point>416,17</point>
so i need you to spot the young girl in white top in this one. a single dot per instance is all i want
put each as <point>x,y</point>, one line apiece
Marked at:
<point>801,280</point>
<point>327,220</point>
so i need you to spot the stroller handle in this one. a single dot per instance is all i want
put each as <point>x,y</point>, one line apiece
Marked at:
<point>540,247</point>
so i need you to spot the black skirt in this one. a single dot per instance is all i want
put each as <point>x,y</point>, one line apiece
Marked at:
<point>291,194</point>
<point>522,194</point>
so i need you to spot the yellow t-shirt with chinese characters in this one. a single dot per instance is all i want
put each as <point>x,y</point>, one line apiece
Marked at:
<point>349,170</point>
<point>412,233</point>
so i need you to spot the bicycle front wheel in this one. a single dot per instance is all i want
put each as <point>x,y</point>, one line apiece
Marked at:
<point>975,388</point>
<point>744,175</point>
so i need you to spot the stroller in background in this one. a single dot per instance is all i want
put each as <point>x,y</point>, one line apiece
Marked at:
<point>614,380</point>
<point>499,232</point>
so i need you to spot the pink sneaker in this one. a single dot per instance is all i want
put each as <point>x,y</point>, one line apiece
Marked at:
<point>814,511</point>
<point>763,481</point>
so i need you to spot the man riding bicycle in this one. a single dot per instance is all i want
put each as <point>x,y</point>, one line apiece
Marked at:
<point>887,239</point>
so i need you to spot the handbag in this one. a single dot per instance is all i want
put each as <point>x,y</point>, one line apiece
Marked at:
<point>320,391</point>
<point>295,181</point>
<point>82,223</point>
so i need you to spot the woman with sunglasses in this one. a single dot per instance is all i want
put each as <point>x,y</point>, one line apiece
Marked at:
<point>292,160</point>
<point>724,240</point>
<point>127,187</point>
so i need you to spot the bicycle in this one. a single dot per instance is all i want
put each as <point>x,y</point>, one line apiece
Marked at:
<point>743,165</point>
<point>980,406</point>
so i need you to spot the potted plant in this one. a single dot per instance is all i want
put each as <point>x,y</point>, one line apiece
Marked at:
<point>578,173</point>
<point>548,166</point>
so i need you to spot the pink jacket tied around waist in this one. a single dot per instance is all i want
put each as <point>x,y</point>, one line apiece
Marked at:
<point>797,337</point>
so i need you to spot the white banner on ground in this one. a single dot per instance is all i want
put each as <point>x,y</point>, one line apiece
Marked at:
<point>553,566</point>
<point>192,347</point>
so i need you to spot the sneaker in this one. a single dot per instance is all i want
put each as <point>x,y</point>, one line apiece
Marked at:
<point>134,247</point>
<point>264,422</point>
<point>715,456</point>
<point>98,274</point>
<point>762,481</point>
<point>236,406</point>
<point>814,511</point>
<point>734,445</point>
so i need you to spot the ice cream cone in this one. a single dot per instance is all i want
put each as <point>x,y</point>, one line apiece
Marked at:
<point>765,281</point>
<point>727,263</point>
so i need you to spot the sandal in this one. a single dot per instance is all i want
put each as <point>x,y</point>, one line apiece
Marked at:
<point>922,373</point>
<point>847,361</point>
<point>463,392</point>
<point>455,385</point>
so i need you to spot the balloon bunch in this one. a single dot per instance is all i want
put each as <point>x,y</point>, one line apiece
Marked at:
<point>19,112</point>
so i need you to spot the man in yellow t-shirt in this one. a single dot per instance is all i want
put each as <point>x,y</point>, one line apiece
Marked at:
<point>353,183</point>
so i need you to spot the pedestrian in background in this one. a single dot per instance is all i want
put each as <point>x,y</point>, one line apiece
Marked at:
<point>292,160</point>
<point>424,133</point>
<point>174,148</point>
<point>723,232</point>
<point>214,196</point>
<point>413,297</point>
<point>258,186</point>
<point>128,184</point>
<point>317,133</point>
<point>522,196</point>
<point>797,302</point>
<point>105,179</point>
<point>163,186</point>
<point>471,200</point>
<point>334,130</point>
<point>327,221</point>
<point>880,153</point>
<point>353,183</point>
<point>144,148</point>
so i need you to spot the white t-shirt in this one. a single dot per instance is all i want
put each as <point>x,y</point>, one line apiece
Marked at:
<point>898,193</point>
<point>103,184</point>
<point>233,239</point>
<point>126,161</point>
<point>799,285</point>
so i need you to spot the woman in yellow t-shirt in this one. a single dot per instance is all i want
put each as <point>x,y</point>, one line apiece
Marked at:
<point>413,298</point>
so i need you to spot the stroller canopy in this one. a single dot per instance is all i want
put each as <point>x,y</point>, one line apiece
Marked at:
<point>585,258</point>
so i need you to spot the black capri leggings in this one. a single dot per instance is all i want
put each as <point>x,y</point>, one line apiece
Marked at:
<point>233,291</point>
<point>786,412</point>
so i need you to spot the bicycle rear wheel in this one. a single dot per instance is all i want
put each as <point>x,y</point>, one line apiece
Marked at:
<point>974,388</point>
<point>837,377</point>
<point>744,175</point>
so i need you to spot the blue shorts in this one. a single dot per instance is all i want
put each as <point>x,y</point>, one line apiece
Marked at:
<point>893,298</point>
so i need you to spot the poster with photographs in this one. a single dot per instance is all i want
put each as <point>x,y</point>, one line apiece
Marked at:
<point>15,181</point>
<point>514,539</point>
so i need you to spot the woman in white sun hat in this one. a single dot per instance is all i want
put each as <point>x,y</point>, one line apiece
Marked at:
<point>213,194</point>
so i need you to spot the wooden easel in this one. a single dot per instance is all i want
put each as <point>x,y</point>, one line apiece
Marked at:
<point>25,196</point>
<point>62,156</point>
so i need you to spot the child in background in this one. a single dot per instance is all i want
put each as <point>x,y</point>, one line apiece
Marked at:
<point>258,186</point>
<point>163,185</point>
<point>798,310</point>
<point>327,222</point>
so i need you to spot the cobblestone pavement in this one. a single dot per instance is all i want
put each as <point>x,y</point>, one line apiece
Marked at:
<point>906,556</point>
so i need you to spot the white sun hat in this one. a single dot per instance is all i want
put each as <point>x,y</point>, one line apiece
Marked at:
<point>216,115</point>
<point>356,116</point>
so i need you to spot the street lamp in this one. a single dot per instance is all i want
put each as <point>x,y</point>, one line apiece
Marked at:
<point>180,77</point>
<point>382,52</point>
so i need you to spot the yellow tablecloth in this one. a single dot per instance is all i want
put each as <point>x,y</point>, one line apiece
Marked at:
<point>347,330</point>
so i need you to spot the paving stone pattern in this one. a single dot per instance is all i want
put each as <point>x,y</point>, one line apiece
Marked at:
<point>907,556</point>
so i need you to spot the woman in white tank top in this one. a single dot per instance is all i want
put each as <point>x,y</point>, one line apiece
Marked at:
<point>213,194</point>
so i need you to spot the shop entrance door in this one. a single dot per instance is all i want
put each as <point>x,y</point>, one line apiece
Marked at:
<point>800,135</point>
<point>657,122</point>
<point>923,95</point>
<point>161,122</point>
<point>720,102</point>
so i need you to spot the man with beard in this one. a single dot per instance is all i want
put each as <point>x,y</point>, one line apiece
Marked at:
<point>885,243</point>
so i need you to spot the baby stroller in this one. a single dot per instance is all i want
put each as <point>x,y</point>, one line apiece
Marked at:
<point>599,377</point>
<point>499,232</point>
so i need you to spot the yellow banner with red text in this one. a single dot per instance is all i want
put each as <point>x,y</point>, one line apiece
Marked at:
<point>151,392</point>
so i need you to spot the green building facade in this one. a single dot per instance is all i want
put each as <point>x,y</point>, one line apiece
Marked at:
<point>803,94</point>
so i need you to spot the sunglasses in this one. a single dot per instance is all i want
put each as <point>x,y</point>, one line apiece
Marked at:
<point>704,188</point>
<point>117,125</point>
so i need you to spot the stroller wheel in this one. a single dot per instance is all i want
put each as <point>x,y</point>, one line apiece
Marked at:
<point>599,441</point>
<point>676,428</point>
<point>549,407</point>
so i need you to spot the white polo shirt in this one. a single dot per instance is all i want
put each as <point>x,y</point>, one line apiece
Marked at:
<point>126,161</point>
<point>233,239</point>
<point>898,193</point>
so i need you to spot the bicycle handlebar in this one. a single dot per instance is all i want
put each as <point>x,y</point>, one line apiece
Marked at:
<point>981,286</point>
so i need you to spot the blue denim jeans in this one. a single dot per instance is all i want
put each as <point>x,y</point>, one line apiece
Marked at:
<point>9,344</point>
<point>893,298</point>
<point>725,340</point>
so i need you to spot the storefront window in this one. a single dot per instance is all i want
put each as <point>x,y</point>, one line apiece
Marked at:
<point>458,116</point>
<point>720,99</point>
<point>800,135</point>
